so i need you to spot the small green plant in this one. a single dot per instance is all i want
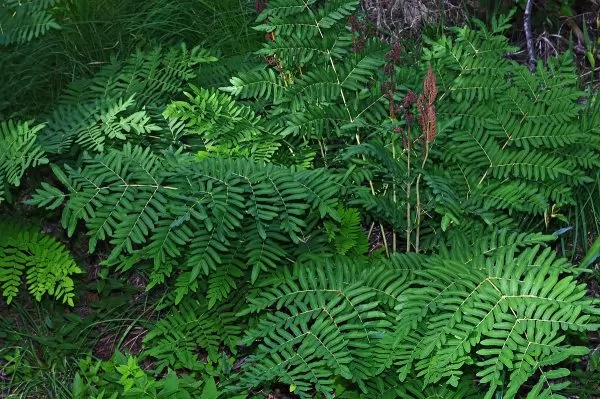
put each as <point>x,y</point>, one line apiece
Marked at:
<point>122,377</point>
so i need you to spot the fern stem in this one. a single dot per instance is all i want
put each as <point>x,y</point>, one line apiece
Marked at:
<point>394,238</point>
<point>371,230</point>
<point>418,214</point>
<point>418,193</point>
<point>408,221</point>
<point>322,148</point>
<point>385,243</point>
<point>337,78</point>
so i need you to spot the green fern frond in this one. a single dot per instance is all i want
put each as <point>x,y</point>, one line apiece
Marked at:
<point>518,142</point>
<point>388,386</point>
<point>172,207</point>
<point>22,21</point>
<point>296,52</point>
<point>347,235</point>
<point>222,125</point>
<point>20,151</point>
<point>217,74</point>
<point>120,100</point>
<point>44,262</point>
<point>262,84</point>
<point>92,125</point>
<point>361,68</point>
<point>226,278</point>
<point>508,309</point>
<point>189,328</point>
<point>150,75</point>
<point>322,319</point>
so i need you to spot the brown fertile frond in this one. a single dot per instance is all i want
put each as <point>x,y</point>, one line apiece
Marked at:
<point>426,108</point>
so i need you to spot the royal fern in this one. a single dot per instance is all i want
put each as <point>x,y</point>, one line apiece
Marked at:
<point>23,21</point>
<point>507,311</point>
<point>520,143</point>
<point>190,327</point>
<point>20,151</point>
<point>120,102</point>
<point>40,260</point>
<point>249,206</point>
<point>175,210</point>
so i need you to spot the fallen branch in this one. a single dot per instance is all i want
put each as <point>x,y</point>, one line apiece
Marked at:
<point>529,35</point>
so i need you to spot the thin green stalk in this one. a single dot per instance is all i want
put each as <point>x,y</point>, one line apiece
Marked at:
<point>394,238</point>
<point>418,193</point>
<point>408,186</point>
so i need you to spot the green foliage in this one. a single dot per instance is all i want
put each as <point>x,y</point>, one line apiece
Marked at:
<point>592,255</point>
<point>197,328</point>
<point>45,263</point>
<point>40,345</point>
<point>505,311</point>
<point>325,321</point>
<point>250,215</point>
<point>174,210</point>
<point>120,101</point>
<point>491,304</point>
<point>223,127</point>
<point>22,21</point>
<point>316,89</point>
<point>387,386</point>
<point>532,148</point>
<point>122,377</point>
<point>19,152</point>
<point>91,34</point>
<point>347,235</point>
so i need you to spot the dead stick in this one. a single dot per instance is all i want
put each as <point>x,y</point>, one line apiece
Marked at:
<point>529,35</point>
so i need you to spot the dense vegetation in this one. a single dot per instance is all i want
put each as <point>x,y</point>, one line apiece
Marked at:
<point>280,199</point>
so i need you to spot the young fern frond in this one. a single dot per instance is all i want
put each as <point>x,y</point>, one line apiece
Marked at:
<point>347,235</point>
<point>222,126</point>
<point>45,264</point>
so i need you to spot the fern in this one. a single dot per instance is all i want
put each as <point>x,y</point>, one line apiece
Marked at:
<point>500,303</point>
<point>121,100</point>
<point>175,341</point>
<point>513,125</point>
<point>506,312</point>
<point>152,207</point>
<point>222,126</point>
<point>387,386</point>
<point>315,82</point>
<point>347,235</point>
<point>45,263</point>
<point>322,323</point>
<point>20,151</point>
<point>249,205</point>
<point>22,21</point>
